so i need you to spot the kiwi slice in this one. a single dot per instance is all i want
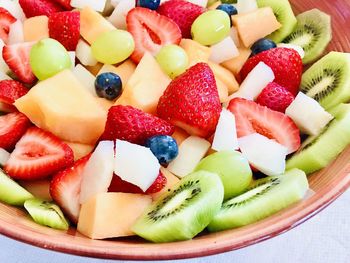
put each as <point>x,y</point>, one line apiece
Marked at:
<point>46,213</point>
<point>284,14</point>
<point>184,211</point>
<point>313,32</point>
<point>318,151</point>
<point>263,198</point>
<point>328,80</point>
<point>12,193</point>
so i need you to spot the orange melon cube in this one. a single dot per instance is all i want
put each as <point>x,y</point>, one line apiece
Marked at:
<point>224,76</point>
<point>80,150</point>
<point>171,180</point>
<point>222,90</point>
<point>94,70</point>
<point>196,52</point>
<point>35,28</point>
<point>235,64</point>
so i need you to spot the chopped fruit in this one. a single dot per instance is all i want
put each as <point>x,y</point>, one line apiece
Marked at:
<point>275,97</point>
<point>124,70</point>
<point>192,102</point>
<point>246,6</point>
<point>253,118</point>
<point>14,8</point>
<point>36,28</point>
<point>183,13</point>
<point>65,4</point>
<point>180,135</point>
<point>225,76</point>
<point>151,31</point>
<point>224,50</point>
<point>170,180</point>
<point>151,4</point>
<point>37,155</point>
<point>163,147</point>
<point>39,7</point>
<point>222,90</point>
<point>80,150</point>
<point>133,125</point>
<point>12,128</point>
<point>85,78</point>
<point>84,54</point>
<point>17,58</point>
<point>16,33</point>
<point>38,188</point>
<point>65,28</point>
<point>108,85</point>
<point>98,6</point>
<point>4,156</point>
<point>235,64</point>
<point>286,64</point>
<point>94,69</point>
<point>118,16</point>
<point>261,45</point>
<point>6,20</point>
<point>196,52</point>
<point>11,90</point>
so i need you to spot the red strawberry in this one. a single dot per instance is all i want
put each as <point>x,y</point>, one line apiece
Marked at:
<point>183,13</point>
<point>275,97</point>
<point>6,19</point>
<point>39,7</point>
<point>17,58</point>
<point>191,101</point>
<point>12,128</point>
<point>254,118</point>
<point>286,63</point>
<point>37,155</point>
<point>65,4</point>
<point>65,28</point>
<point>11,90</point>
<point>151,31</point>
<point>65,188</point>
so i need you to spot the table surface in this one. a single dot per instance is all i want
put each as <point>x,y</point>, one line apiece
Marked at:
<point>324,238</point>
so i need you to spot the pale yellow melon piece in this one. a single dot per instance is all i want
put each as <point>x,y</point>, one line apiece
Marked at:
<point>104,103</point>
<point>255,25</point>
<point>80,150</point>
<point>180,135</point>
<point>93,24</point>
<point>171,180</point>
<point>109,215</point>
<point>145,86</point>
<point>35,28</point>
<point>235,65</point>
<point>39,188</point>
<point>222,90</point>
<point>94,70</point>
<point>64,107</point>
<point>196,52</point>
<point>225,76</point>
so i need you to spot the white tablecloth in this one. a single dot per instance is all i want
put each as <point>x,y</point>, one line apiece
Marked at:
<point>324,238</point>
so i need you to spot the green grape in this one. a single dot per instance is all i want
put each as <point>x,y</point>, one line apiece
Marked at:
<point>113,47</point>
<point>232,167</point>
<point>173,60</point>
<point>211,27</point>
<point>48,57</point>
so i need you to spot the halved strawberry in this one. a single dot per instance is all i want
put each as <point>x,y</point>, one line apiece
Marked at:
<point>151,31</point>
<point>37,155</point>
<point>65,188</point>
<point>11,90</point>
<point>16,57</point>
<point>254,118</point>
<point>39,7</point>
<point>6,19</point>
<point>65,4</point>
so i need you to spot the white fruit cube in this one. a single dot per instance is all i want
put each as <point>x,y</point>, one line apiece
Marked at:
<point>14,8</point>
<point>202,3</point>
<point>84,54</point>
<point>308,114</point>
<point>191,152</point>
<point>98,6</point>
<point>85,78</point>
<point>224,50</point>
<point>246,6</point>
<point>16,33</point>
<point>4,156</point>
<point>266,155</point>
<point>118,17</point>
<point>72,58</point>
<point>225,137</point>
<point>135,164</point>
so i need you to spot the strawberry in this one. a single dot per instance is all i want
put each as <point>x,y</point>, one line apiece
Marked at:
<point>65,4</point>
<point>12,128</point>
<point>286,64</point>
<point>191,101</point>
<point>183,13</point>
<point>254,118</point>
<point>37,155</point>
<point>151,31</point>
<point>6,19</point>
<point>133,125</point>
<point>65,28</point>
<point>275,97</point>
<point>16,57</point>
<point>65,188</point>
<point>39,7</point>
<point>11,90</point>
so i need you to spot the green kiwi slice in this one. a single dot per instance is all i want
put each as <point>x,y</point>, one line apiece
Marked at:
<point>184,211</point>
<point>284,14</point>
<point>328,80</point>
<point>46,213</point>
<point>318,151</point>
<point>313,32</point>
<point>263,198</point>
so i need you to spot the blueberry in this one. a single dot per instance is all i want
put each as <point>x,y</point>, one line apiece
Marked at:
<point>150,4</point>
<point>163,147</point>
<point>262,45</point>
<point>229,9</point>
<point>108,85</point>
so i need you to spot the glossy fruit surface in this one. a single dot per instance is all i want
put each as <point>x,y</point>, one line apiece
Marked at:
<point>108,85</point>
<point>173,60</point>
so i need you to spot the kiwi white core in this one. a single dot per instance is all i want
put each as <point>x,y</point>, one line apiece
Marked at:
<point>176,201</point>
<point>319,87</point>
<point>250,193</point>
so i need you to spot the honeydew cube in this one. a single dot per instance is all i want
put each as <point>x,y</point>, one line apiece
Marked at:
<point>118,17</point>
<point>4,156</point>
<point>171,180</point>
<point>98,6</point>
<point>266,155</point>
<point>85,78</point>
<point>191,152</point>
<point>39,188</point>
<point>14,8</point>
<point>84,54</point>
<point>110,215</point>
<point>35,28</point>
<point>235,64</point>
<point>225,76</point>
<point>202,3</point>
<point>80,150</point>
<point>246,6</point>
<point>3,66</point>
<point>196,52</point>
<point>308,114</point>
<point>224,50</point>
<point>15,33</point>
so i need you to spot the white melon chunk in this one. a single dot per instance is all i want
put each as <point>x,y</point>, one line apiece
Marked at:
<point>14,8</point>
<point>224,50</point>
<point>135,164</point>
<point>4,156</point>
<point>84,54</point>
<point>98,6</point>
<point>16,33</point>
<point>86,78</point>
<point>297,48</point>
<point>191,152</point>
<point>202,3</point>
<point>308,114</point>
<point>266,155</point>
<point>72,58</point>
<point>118,17</point>
<point>246,6</point>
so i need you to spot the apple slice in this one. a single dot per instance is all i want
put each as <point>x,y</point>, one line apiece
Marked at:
<point>98,6</point>
<point>4,156</point>
<point>224,50</point>
<point>84,54</point>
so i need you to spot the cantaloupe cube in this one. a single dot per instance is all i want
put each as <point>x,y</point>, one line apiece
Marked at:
<point>39,188</point>
<point>180,135</point>
<point>80,150</point>
<point>109,215</point>
<point>225,76</point>
<point>64,107</point>
<point>255,25</point>
<point>171,180</point>
<point>235,65</point>
<point>93,24</point>
<point>222,90</point>
<point>104,103</point>
<point>94,70</point>
<point>35,28</point>
<point>196,52</point>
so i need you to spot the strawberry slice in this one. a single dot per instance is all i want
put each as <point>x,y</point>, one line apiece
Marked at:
<point>37,155</point>
<point>151,31</point>
<point>12,128</point>
<point>254,118</point>
<point>16,57</point>
<point>6,19</point>
<point>39,7</point>
<point>11,90</point>
<point>65,188</point>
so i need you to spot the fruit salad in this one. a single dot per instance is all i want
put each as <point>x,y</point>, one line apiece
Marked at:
<point>163,119</point>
